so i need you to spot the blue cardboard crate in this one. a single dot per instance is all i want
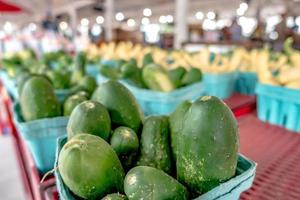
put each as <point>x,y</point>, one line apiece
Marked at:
<point>92,70</point>
<point>62,94</point>
<point>219,85</point>
<point>160,103</point>
<point>246,82</point>
<point>279,105</point>
<point>12,89</point>
<point>228,190</point>
<point>40,136</point>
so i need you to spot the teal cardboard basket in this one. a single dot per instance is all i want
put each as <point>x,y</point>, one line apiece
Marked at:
<point>9,84</point>
<point>92,70</point>
<point>279,105</point>
<point>12,89</point>
<point>40,137</point>
<point>229,190</point>
<point>246,82</point>
<point>62,94</point>
<point>219,85</point>
<point>101,79</point>
<point>160,103</point>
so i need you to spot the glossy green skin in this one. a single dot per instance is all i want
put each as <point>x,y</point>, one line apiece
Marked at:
<point>123,108</point>
<point>76,76</point>
<point>176,124</point>
<point>156,78</point>
<point>72,102</point>
<point>115,196</point>
<point>88,83</point>
<point>59,79</point>
<point>128,69</point>
<point>38,100</point>
<point>207,148</point>
<point>194,75</point>
<point>155,144</point>
<point>144,182</point>
<point>89,117</point>
<point>148,59</point>
<point>132,74</point>
<point>124,140</point>
<point>83,93</point>
<point>90,168</point>
<point>126,144</point>
<point>21,79</point>
<point>112,69</point>
<point>176,75</point>
<point>80,62</point>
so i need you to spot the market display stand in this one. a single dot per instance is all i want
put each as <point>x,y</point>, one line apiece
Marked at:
<point>240,105</point>
<point>34,190</point>
<point>46,190</point>
<point>277,152</point>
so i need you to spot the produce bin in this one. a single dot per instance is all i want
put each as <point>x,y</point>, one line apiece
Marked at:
<point>219,85</point>
<point>12,89</point>
<point>245,82</point>
<point>279,105</point>
<point>160,103</point>
<point>92,70</point>
<point>101,79</point>
<point>9,85</point>
<point>40,136</point>
<point>62,94</point>
<point>229,190</point>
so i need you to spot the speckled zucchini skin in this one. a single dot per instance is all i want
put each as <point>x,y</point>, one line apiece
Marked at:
<point>123,108</point>
<point>176,75</point>
<point>155,144</point>
<point>176,122</point>
<point>194,75</point>
<point>71,102</point>
<point>145,182</point>
<point>207,146</point>
<point>90,167</point>
<point>89,117</point>
<point>38,100</point>
<point>115,196</point>
<point>126,144</point>
<point>156,78</point>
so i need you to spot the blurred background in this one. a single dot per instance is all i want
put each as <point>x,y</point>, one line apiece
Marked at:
<point>165,23</point>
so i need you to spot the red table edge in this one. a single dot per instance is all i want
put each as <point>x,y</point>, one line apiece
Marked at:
<point>30,175</point>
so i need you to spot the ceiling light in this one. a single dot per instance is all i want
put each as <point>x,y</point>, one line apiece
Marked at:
<point>169,19</point>
<point>145,21</point>
<point>162,19</point>
<point>211,15</point>
<point>120,16</point>
<point>240,12</point>
<point>84,22</point>
<point>244,6</point>
<point>131,22</point>
<point>63,25</point>
<point>100,20</point>
<point>199,15</point>
<point>147,12</point>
